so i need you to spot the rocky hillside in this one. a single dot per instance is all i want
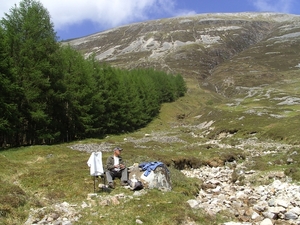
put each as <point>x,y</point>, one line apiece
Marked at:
<point>248,62</point>
<point>198,45</point>
<point>235,133</point>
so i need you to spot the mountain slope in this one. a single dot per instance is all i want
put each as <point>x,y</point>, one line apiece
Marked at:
<point>242,69</point>
<point>191,45</point>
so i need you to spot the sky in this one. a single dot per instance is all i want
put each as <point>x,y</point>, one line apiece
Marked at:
<point>78,18</point>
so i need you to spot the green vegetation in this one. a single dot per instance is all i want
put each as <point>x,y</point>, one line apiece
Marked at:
<point>39,176</point>
<point>52,94</point>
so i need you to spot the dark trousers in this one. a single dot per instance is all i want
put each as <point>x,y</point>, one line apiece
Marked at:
<point>122,174</point>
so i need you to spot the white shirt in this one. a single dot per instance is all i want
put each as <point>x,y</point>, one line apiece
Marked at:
<point>116,163</point>
<point>95,164</point>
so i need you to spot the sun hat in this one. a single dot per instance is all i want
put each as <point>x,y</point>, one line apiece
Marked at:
<point>118,148</point>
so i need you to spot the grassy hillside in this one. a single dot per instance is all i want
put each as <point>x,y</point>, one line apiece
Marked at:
<point>42,176</point>
<point>242,68</point>
<point>243,103</point>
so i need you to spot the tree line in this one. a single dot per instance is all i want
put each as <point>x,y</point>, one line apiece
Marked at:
<point>49,93</point>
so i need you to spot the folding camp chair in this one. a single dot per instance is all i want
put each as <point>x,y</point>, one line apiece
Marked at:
<point>103,178</point>
<point>96,168</point>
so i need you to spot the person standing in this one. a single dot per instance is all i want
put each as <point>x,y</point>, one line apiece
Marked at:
<point>116,168</point>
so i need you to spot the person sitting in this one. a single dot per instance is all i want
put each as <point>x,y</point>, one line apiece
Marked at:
<point>116,168</point>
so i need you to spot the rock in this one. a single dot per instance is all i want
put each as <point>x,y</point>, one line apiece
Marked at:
<point>104,202</point>
<point>266,222</point>
<point>193,203</point>
<point>295,210</point>
<point>255,215</point>
<point>62,214</point>
<point>138,221</point>
<point>282,203</point>
<point>276,210</point>
<point>260,206</point>
<point>91,196</point>
<point>289,161</point>
<point>158,178</point>
<point>235,223</point>
<point>269,215</point>
<point>278,202</point>
<point>115,201</point>
<point>290,216</point>
<point>84,205</point>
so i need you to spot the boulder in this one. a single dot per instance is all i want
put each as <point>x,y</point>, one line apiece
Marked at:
<point>158,178</point>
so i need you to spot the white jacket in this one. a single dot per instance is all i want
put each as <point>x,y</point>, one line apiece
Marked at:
<point>95,164</point>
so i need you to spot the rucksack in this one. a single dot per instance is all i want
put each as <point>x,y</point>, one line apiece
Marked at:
<point>135,184</point>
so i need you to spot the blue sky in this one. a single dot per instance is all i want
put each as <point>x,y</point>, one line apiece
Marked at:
<point>78,18</point>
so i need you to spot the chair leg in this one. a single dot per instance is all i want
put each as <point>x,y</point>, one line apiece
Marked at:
<point>104,179</point>
<point>94,184</point>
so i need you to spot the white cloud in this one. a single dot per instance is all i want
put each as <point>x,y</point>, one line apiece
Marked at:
<point>284,6</point>
<point>104,13</point>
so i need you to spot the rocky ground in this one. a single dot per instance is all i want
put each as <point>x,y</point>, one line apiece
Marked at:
<point>275,203</point>
<point>278,202</point>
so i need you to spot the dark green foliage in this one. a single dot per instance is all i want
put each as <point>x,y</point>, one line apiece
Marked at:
<point>127,100</point>
<point>52,94</point>
<point>7,93</point>
<point>77,94</point>
<point>31,44</point>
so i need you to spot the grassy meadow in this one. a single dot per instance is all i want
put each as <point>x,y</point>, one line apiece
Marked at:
<point>40,176</point>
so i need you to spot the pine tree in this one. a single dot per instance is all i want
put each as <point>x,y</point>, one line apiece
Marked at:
<point>32,44</point>
<point>8,110</point>
<point>78,95</point>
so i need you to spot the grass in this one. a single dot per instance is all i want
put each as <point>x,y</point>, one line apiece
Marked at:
<point>249,86</point>
<point>42,175</point>
<point>154,208</point>
<point>39,176</point>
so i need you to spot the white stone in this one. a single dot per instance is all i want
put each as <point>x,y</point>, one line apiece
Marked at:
<point>266,221</point>
<point>278,200</point>
<point>241,195</point>
<point>283,203</point>
<point>84,205</point>
<point>290,216</point>
<point>276,183</point>
<point>276,210</point>
<point>260,207</point>
<point>295,210</point>
<point>217,189</point>
<point>254,215</point>
<point>193,203</point>
<point>138,221</point>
